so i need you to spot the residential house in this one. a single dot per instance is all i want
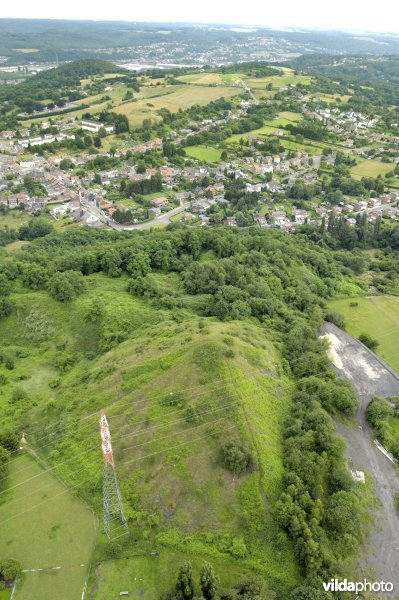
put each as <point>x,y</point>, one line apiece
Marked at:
<point>300,215</point>
<point>279,217</point>
<point>159,202</point>
<point>260,219</point>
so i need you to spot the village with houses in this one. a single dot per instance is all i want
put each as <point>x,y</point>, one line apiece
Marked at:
<point>271,176</point>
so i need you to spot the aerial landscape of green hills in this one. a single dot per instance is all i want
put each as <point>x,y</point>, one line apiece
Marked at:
<point>199,311</point>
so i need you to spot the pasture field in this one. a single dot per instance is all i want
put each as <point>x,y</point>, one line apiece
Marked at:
<point>15,246</point>
<point>370,168</point>
<point>265,130</point>
<point>203,79</point>
<point>147,577</point>
<point>269,128</point>
<point>179,98</point>
<point>333,97</point>
<point>378,316</point>
<point>277,81</point>
<point>205,153</point>
<point>150,99</point>
<point>44,526</point>
<point>290,116</point>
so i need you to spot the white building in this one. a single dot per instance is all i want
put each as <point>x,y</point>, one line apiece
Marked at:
<point>95,126</point>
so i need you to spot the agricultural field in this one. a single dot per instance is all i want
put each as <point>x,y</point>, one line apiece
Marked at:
<point>150,99</point>
<point>179,98</point>
<point>290,116</point>
<point>370,168</point>
<point>203,79</point>
<point>333,97</point>
<point>377,316</point>
<point>48,531</point>
<point>277,81</point>
<point>202,152</point>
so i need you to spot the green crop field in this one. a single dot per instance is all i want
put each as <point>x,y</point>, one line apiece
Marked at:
<point>205,153</point>
<point>44,527</point>
<point>378,316</point>
<point>370,168</point>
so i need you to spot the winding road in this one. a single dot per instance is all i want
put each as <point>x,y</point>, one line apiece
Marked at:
<point>163,219</point>
<point>370,377</point>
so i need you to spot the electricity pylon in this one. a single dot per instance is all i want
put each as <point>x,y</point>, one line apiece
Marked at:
<point>115,524</point>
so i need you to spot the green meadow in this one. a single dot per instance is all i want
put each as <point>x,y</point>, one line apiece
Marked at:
<point>378,316</point>
<point>51,533</point>
<point>203,153</point>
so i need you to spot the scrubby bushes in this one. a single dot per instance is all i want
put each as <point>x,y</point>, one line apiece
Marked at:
<point>66,286</point>
<point>379,413</point>
<point>368,341</point>
<point>5,307</point>
<point>236,458</point>
<point>9,569</point>
<point>249,588</point>
<point>319,501</point>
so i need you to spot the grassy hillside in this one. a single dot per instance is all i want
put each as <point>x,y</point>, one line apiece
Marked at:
<point>192,343</point>
<point>174,392</point>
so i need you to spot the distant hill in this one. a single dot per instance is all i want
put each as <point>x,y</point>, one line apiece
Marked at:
<point>42,40</point>
<point>55,83</point>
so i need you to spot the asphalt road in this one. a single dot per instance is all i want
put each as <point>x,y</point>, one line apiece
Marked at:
<point>163,219</point>
<point>370,377</point>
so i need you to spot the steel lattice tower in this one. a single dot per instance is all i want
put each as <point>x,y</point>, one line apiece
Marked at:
<point>115,524</point>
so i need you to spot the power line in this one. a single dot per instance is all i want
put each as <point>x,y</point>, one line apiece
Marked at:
<point>94,447</point>
<point>132,434</point>
<point>110,407</point>
<point>125,463</point>
<point>65,430</point>
<point>123,450</point>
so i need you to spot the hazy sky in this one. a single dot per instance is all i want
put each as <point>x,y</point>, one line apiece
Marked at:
<point>358,15</point>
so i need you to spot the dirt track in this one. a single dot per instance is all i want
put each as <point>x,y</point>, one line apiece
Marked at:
<point>370,377</point>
